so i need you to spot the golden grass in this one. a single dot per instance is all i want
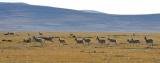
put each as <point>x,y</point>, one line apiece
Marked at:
<point>20,52</point>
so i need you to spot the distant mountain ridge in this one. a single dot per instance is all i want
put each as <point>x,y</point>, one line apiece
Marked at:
<point>25,17</point>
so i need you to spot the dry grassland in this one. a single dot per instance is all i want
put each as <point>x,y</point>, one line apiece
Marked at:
<point>18,51</point>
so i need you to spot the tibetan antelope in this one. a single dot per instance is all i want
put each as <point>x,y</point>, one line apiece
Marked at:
<point>87,41</point>
<point>48,39</point>
<point>79,42</point>
<point>7,40</point>
<point>63,42</point>
<point>11,33</point>
<point>4,40</point>
<point>27,41</point>
<point>148,41</point>
<point>6,34</point>
<point>136,41</point>
<point>71,35</point>
<point>112,40</point>
<point>130,42</point>
<point>101,41</point>
<point>134,34</point>
<point>38,40</point>
<point>28,34</point>
<point>41,34</point>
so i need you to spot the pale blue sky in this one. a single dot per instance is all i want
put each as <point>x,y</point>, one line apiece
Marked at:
<point>106,6</point>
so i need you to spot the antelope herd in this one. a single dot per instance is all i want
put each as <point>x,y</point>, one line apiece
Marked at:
<point>83,41</point>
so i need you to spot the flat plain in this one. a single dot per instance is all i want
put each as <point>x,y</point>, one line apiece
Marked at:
<point>18,51</point>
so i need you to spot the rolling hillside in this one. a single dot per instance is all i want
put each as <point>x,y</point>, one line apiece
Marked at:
<point>25,17</point>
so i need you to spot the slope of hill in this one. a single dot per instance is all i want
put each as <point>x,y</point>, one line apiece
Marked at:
<point>25,17</point>
<point>91,11</point>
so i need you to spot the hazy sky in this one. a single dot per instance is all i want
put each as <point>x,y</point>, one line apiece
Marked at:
<point>106,6</point>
